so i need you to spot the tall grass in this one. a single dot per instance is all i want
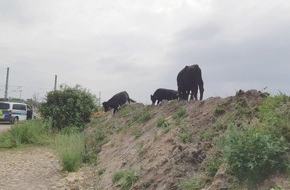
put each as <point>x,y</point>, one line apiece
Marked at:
<point>70,149</point>
<point>34,132</point>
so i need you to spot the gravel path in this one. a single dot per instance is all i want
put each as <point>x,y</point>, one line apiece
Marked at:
<point>29,168</point>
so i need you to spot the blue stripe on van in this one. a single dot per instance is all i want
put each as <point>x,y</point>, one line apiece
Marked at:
<point>19,112</point>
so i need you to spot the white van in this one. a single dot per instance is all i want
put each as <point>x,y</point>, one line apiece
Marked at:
<point>13,112</point>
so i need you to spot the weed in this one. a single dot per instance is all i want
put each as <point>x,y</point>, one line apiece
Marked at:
<point>184,136</point>
<point>184,133</point>
<point>137,132</point>
<point>196,182</point>
<point>70,148</point>
<point>117,176</point>
<point>162,123</point>
<point>94,142</point>
<point>126,179</point>
<point>142,116</point>
<point>180,113</point>
<point>206,135</point>
<point>212,165</point>
<point>95,120</point>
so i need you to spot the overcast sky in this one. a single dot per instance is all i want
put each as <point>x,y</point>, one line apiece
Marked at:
<point>139,46</point>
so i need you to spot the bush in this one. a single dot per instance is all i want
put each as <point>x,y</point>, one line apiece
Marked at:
<point>68,107</point>
<point>254,153</point>
<point>70,149</point>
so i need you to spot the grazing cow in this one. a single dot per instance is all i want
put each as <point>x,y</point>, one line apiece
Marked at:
<point>116,101</point>
<point>190,79</point>
<point>163,94</point>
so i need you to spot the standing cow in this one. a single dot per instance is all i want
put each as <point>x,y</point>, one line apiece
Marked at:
<point>189,79</point>
<point>116,101</point>
<point>163,94</point>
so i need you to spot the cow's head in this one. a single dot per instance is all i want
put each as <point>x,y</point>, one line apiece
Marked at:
<point>106,106</point>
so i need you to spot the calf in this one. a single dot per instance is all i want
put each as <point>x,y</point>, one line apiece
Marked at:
<point>163,94</point>
<point>116,101</point>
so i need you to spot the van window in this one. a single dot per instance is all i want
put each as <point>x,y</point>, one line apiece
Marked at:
<point>4,106</point>
<point>19,107</point>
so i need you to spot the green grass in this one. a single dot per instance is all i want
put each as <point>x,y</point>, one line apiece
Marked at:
<point>70,149</point>
<point>195,182</point>
<point>178,115</point>
<point>184,136</point>
<point>162,123</point>
<point>142,115</point>
<point>33,132</point>
<point>125,179</point>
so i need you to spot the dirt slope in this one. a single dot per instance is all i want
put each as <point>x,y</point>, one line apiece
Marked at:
<point>161,156</point>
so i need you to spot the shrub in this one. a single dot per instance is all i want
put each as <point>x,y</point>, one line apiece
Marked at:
<point>68,107</point>
<point>70,149</point>
<point>253,153</point>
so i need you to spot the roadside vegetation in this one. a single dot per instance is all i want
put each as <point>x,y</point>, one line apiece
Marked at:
<point>248,144</point>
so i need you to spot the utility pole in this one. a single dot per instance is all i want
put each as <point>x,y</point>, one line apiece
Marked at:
<point>6,85</point>
<point>99,98</point>
<point>55,82</point>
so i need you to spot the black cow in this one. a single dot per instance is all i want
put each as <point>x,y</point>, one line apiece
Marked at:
<point>116,101</point>
<point>190,79</point>
<point>163,94</point>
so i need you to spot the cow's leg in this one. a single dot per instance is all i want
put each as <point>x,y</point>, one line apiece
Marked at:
<point>201,90</point>
<point>194,92</point>
<point>115,109</point>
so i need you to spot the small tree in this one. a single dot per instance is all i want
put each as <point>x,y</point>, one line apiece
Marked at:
<point>69,106</point>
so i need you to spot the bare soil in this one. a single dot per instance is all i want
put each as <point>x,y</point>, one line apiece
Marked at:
<point>38,168</point>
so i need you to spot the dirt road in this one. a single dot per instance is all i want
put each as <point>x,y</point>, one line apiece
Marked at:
<point>28,168</point>
<point>37,168</point>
